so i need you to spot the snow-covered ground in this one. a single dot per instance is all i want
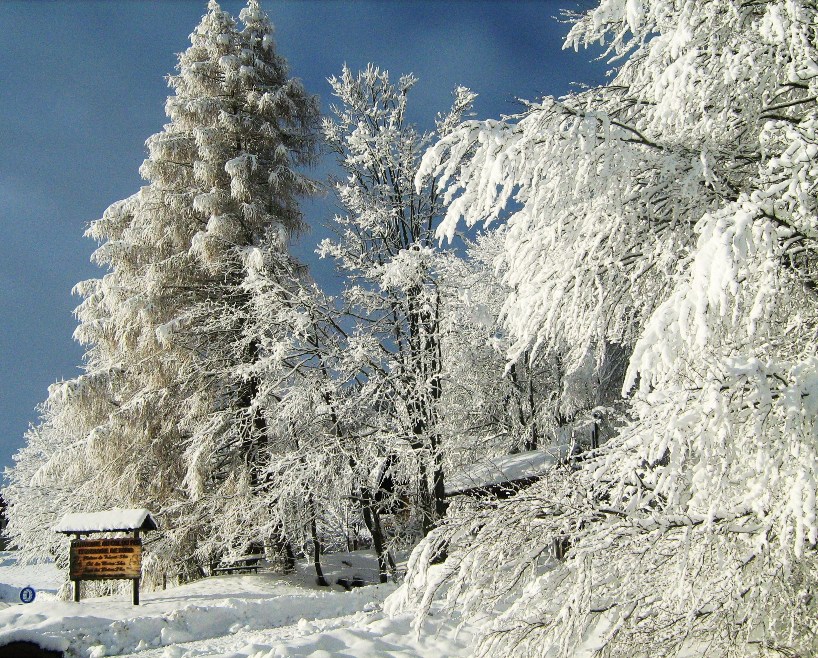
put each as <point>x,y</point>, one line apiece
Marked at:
<point>44,578</point>
<point>231,616</point>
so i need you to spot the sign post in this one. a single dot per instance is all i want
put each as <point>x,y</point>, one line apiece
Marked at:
<point>108,558</point>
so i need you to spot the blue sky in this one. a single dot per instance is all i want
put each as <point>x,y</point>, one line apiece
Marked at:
<point>84,87</point>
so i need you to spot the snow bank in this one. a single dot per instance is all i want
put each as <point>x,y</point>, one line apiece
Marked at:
<point>362,636</point>
<point>209,608</point>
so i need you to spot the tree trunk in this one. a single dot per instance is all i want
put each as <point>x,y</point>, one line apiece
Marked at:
<point>316,544</point>
<point>533,436</point>
<point>284,550</point>
<point>441,504</point>
<point>373,524</point>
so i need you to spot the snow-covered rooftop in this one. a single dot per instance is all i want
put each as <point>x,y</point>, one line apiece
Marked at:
<point>122,520</point>
<point>504,469</point>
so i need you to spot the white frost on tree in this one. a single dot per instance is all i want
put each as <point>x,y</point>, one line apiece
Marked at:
<point>672,210</point>
<point>385,248</point>
<point>169,400</point>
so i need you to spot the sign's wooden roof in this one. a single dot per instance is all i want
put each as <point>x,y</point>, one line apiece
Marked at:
<point>114,520</point>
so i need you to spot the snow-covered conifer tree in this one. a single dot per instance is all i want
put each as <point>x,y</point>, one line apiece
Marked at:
<point>673,211</point>
<point>169,382</point>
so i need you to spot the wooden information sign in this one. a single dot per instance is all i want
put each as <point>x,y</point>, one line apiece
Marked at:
<point>110,558</point>
<point>100,559</point>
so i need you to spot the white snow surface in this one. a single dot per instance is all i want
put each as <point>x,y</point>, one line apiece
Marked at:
<point>45,578</point>
<point>110,520</point>
<point>260,615</point>
<point>507,468</point>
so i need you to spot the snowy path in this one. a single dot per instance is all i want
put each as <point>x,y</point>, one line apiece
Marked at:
<point>236,616</point>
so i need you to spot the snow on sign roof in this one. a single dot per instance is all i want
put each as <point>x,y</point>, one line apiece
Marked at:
<point>115,520</point>
<point>505,469</point>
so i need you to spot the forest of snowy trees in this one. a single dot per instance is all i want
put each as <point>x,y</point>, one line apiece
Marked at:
<point>637,256</point>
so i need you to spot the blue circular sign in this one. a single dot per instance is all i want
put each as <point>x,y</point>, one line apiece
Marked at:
<point>27,594</point>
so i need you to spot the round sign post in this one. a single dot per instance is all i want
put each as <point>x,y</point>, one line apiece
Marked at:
<point>27,594</point>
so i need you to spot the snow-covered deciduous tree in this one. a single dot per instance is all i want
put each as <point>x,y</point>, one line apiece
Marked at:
<point>672,211</point>
<point>385,248</point>
<point>170,402</point>
<point>494,407</point>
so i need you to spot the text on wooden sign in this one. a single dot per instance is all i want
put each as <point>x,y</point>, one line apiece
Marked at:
<point>99,559</point>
